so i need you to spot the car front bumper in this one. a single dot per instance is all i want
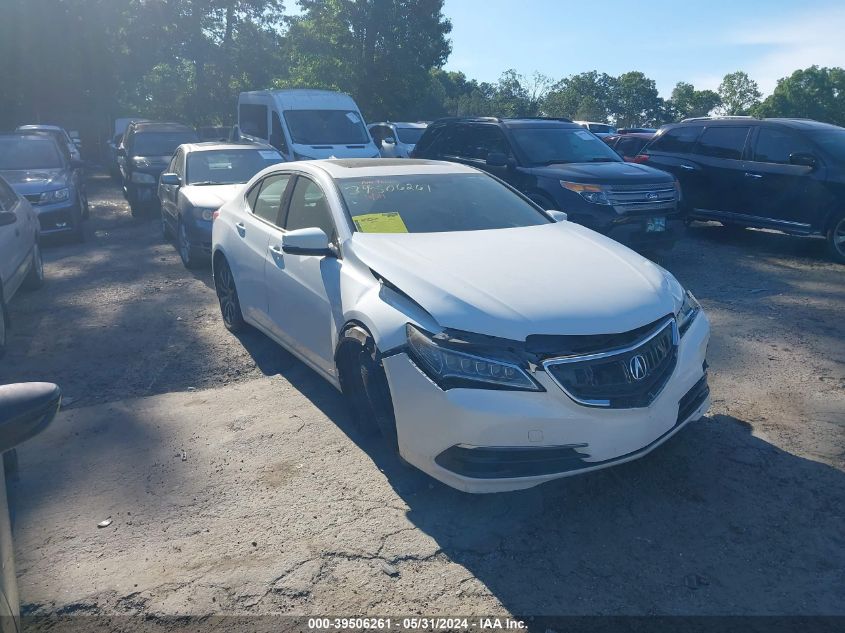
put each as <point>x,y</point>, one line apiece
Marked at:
<point>480,440</point>
<point>59,217</point>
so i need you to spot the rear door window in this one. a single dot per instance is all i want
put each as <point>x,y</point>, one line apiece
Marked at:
<point>775,146</point>
<point>723,142</point>
<point>453,142</point>
<point>484,140</point>
<point>679,140</point>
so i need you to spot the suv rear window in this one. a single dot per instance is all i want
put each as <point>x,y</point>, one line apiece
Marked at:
<point>678,140</point>
<point>723,142</point>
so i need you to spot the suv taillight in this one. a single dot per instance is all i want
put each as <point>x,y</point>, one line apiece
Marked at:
<point>640,158</point>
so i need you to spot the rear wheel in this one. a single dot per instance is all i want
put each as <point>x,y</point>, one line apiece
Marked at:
<point>364,385</point>
<point>35,277</point>
<point>227,295</point>
<point>836,239</point>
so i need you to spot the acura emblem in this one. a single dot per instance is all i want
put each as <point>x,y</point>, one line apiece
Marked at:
<point>638,367</point>
<point>651,195</point>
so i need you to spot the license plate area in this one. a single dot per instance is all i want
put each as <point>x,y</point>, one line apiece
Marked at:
<point>655,225</point>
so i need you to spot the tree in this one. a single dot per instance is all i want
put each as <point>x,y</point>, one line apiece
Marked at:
<point>586,96</point>
<point>738,93</point>
<point>812,93</point>
<point>688,102</point>
<point>635,101</point>
<point>381,51</point>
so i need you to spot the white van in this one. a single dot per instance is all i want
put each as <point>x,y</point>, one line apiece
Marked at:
<point>306,124</point>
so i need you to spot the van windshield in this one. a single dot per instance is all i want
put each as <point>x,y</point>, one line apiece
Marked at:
<point>326,127</point>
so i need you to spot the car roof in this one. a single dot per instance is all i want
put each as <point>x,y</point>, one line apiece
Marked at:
<point>369,167</point>
<point>522,122</point>
<point>156,126</point>
<point>216,145</point>
<point>805,124</point>
<point>32,135</point>
<point>34,127</point>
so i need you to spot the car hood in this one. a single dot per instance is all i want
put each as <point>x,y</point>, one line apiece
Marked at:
<point>209,196</point>
<point>36,180</point>
<point>511,283</point>
<point>616,173</point>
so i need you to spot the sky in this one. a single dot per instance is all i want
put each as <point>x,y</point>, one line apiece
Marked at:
<point>669,41</point>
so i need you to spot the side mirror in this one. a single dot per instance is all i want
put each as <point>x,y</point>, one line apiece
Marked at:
<point>7,218</point>
<point>802,158</point>
<point>497,159</point>
<point>310,241</point>
<point>170,179</point>
<point>557,216</point>
<point>26,409</point>
<point>389,141</point>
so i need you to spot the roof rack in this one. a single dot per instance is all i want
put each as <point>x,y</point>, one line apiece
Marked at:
<point>711,118</point>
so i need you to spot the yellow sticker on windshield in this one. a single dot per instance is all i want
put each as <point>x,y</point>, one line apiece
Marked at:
<point>390,222</point>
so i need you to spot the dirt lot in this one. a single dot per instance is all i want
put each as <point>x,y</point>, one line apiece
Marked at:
<point>280,507</point>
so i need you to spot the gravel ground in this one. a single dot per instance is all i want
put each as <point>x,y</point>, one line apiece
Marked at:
<point>279,506</point>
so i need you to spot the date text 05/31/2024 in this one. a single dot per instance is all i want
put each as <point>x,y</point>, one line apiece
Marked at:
<point>414,623</point>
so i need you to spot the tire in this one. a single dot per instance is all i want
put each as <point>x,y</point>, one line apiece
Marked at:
<point>227,295</point>
<point>183,245</point>
<point>136,210</point>
<point>166,232</point>
<point>78,233</point>
<point>836,239</point>
<point>86,207</point>
<point>35,276</point>
<point>364,385</point>
<point>4,325</point>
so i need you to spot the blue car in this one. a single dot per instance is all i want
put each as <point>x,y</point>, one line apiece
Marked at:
<point>44,173</point>
<point>200,178</point>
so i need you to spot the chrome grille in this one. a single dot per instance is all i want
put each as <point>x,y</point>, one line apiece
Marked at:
<point>635,198</point>
<point>625,378</point>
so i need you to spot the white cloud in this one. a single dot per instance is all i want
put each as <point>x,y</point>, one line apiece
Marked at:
<point>791,42</point>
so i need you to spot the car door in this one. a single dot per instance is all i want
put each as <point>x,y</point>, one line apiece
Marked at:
<point>777,191</point>
<point>168,194</point>
<point>719,156</point>
<point>254,224</point>
<point>672,151</point>
<point>302,289</point>
<point>15,241</point>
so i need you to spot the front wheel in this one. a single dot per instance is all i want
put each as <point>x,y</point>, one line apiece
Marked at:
<point>364,385</point>
<point>836,239</point>
<point>186,251</point>
<point>35,276</point>
<point>227,295</point>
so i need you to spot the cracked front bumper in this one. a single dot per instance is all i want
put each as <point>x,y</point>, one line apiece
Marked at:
<point>480,440</point>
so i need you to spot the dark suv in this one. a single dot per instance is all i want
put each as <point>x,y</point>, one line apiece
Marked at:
<point>144,152</point>
<point>784,174</point>
<point>560,165</point>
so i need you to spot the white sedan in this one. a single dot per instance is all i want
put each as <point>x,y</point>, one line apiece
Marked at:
<point>494,347</point>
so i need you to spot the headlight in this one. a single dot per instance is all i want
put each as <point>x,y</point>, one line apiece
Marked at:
<point>55,196</point>
<point>143,179</point>
<point>204,214</point>
<point>450,368</point>
<point>590,193</point>
<point>689,310</point>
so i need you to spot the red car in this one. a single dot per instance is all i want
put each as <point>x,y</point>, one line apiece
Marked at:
<point>630,144</point>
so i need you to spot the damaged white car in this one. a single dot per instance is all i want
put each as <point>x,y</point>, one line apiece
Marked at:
<point>495,345</point>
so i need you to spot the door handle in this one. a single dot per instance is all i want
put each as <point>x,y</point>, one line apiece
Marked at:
<point>241,228</point>
<point>687,167</point>
<point>748,174</point>
<point>278,256</point>
<point>277,250</point>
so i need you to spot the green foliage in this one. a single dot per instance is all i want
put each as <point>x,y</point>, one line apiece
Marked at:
<point>688,102</point>
<point>738,93</point>
<point>813,93</point>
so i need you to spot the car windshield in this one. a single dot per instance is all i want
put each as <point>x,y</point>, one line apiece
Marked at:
<point>547,146</point>
<point>326,127</point>
<point>435,204</point>
<point>29,153</point>
<point>833,142</point>
<point>160,143</point>
<point>409,135</point>
<point>228,166</point>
